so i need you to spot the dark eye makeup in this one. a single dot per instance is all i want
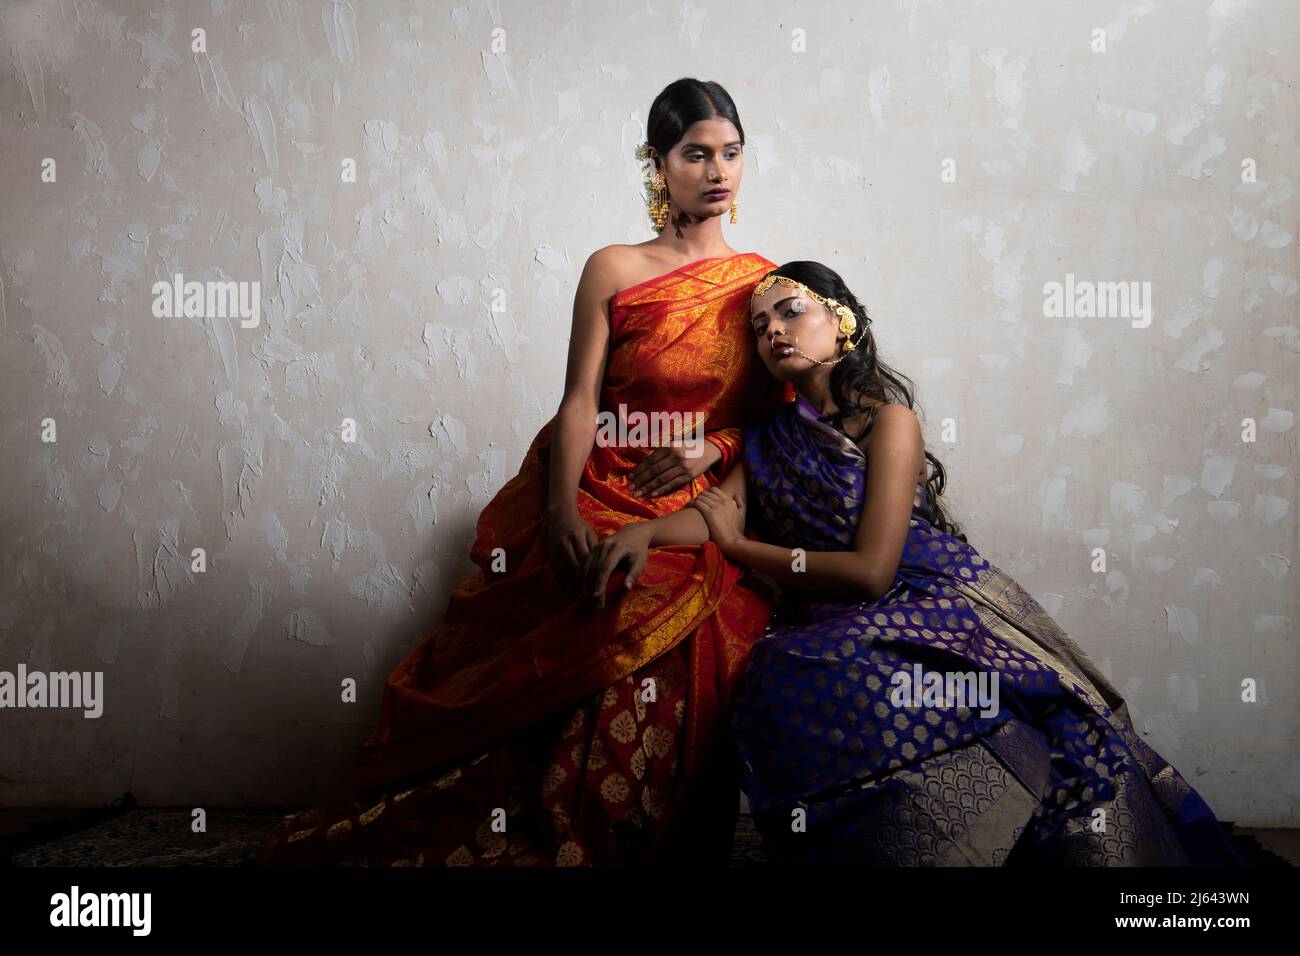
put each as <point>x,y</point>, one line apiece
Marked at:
<point>787,313</point>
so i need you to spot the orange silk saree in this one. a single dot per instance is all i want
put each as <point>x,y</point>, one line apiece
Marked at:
<point>602,732</point>
<point>514,647</point>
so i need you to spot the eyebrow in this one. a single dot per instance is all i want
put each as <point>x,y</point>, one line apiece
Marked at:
<point>734,142</point>
<point>763,312</point>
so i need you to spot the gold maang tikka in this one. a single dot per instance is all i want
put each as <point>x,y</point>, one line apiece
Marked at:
<point>848,321</point>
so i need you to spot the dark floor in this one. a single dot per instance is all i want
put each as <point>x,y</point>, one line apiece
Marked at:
<point>161,836</point>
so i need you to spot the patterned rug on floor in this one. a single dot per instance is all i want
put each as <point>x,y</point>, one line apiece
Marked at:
<point>162,837</point>
<point>151,837</point>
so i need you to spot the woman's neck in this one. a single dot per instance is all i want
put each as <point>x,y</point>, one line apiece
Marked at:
<point>698,239</point>
<point>815,389</point>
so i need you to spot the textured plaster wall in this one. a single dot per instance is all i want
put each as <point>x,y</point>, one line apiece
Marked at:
<point>949,158</point>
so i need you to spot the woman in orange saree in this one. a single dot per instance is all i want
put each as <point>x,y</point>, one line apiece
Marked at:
<point>535,728</point>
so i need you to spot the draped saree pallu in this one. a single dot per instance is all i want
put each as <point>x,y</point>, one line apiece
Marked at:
<point>838,768</point>
<point>589,736</point>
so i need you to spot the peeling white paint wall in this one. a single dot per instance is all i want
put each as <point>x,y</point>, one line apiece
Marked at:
<point>481,170</point>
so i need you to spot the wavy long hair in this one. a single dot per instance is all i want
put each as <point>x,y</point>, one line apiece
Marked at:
<point>861,382</point>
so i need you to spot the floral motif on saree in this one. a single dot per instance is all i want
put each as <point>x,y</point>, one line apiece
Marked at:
<point>527,698</point>
<point>1057,766</point>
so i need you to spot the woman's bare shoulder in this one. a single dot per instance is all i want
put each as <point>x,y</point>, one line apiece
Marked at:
<point>620,254</point>
<point>609,267</point>
<point>896,426</point>
<point>887,419</point>
<point>604,272</point>
<point>894,419</point>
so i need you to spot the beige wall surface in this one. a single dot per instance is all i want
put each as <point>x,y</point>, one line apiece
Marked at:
<point>950,159</point>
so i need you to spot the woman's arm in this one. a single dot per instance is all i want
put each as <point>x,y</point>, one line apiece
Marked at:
<point>575,426</point>
<point>570,539</point>
<point>728,443</point>
<point>688,526</point>
<point>629,544</point>
<point>897,449</point>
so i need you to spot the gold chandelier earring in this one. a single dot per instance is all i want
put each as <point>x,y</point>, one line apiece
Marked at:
<point>659,200</point>
<point>734,206</point>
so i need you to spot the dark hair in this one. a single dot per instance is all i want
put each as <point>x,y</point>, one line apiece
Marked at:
<point>683,103</point>
<point>861,383</point>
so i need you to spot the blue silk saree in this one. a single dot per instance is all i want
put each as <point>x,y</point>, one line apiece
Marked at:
<point>840,768</point>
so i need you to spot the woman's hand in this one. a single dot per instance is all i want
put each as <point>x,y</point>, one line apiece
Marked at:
<point>569,543</point>
<point>628,545</point>
<point>724,514</point>
<point>668,468</point>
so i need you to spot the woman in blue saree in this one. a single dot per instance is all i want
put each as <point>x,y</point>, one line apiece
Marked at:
<point>910,703</point>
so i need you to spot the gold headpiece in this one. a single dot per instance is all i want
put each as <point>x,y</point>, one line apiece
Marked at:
<point>848,321</point>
